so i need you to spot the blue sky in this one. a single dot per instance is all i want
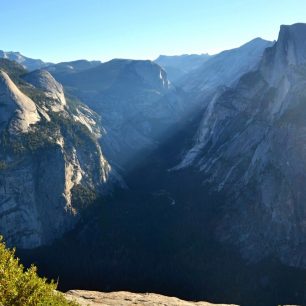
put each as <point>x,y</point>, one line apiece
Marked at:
<point>59,30</point>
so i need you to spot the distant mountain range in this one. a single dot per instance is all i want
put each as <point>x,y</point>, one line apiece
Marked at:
<point>64,68</point>
<point>26,62</point>
<point>225,68</point>
<point>179,65</point>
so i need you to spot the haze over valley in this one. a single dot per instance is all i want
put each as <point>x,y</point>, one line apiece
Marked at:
<point>182,176</point>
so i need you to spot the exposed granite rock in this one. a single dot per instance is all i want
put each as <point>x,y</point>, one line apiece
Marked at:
<point>18,111</point>
<point>123,298</point>
<point>179,65</point>
<point>250,146</point>
<point>52,169</point>
<point>43,80</point>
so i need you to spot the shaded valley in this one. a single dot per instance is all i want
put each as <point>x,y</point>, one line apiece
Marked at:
<point>114,178</point>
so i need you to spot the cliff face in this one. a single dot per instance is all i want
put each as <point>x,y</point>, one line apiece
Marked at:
<point>250,146</point>
<point>50,159</point>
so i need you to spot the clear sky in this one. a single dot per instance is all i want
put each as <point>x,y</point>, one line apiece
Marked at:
<point>60,30</point>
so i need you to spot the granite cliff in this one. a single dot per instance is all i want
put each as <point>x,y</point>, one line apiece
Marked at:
<point>51,161</point>
<point>250,147</point>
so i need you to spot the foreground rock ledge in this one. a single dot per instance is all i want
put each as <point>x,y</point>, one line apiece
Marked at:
<point>123,298</point>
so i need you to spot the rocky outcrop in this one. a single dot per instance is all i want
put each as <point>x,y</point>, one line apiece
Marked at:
<point>43,80</point>
<point>250,146</point>
<point>124,298</point>
<point>18,112</point>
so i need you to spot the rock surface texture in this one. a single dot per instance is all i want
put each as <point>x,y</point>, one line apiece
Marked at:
<point>51,163</point>
<point>250,146</point>
<point>18,111</point>
<point>123,298</point>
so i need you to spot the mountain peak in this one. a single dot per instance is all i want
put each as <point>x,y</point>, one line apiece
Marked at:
<point>296,27</point>
<point>257,40</point>
<point>288,51</point>
<point>42,79</point>
<point>292,43</point>
<point>27,63</point>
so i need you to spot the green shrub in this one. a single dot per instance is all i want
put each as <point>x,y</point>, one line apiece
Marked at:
<point>3,165</point>
<point>23,287</point>
<point>83,196</point>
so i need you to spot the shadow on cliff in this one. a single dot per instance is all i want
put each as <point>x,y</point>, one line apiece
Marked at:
<point>159,236</point>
